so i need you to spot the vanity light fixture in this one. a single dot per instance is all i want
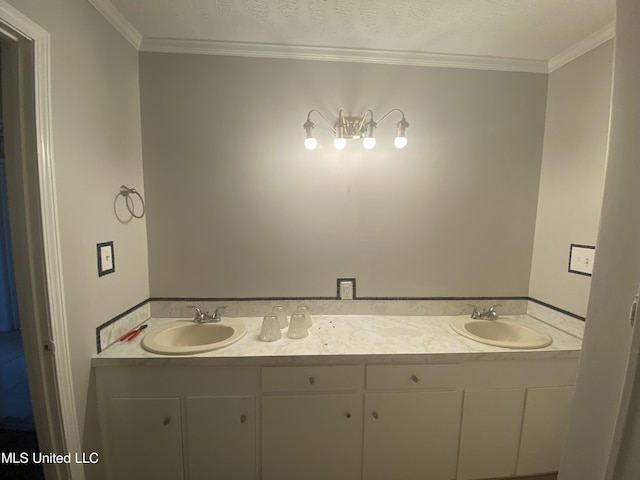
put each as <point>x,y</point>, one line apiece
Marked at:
<point>355,127</point>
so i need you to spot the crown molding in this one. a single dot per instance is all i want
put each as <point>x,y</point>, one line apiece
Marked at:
<point>119,22</point>
<point>386,57</point>
<point>589,43</point>
<point>330,54</point>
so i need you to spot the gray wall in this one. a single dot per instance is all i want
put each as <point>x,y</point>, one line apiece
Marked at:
<point>572,178</point>
<point>608,335</point>
<point>96,148</point>
<point>238,207</point>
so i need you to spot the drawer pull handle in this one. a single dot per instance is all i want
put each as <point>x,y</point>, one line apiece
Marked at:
<point>375,415</point>
<point>312,380</point>
<point>348,414</point>
<point>415,378</point>
<point>243,418</point>
<point>166,421</point>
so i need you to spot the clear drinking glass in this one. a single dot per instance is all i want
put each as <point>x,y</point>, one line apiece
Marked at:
<point>298,326</point>
<point>304,309</point>
<point>270,331</point>
<point>279,311</point>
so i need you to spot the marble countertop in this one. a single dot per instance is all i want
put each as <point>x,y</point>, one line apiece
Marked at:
<point>348,339</point>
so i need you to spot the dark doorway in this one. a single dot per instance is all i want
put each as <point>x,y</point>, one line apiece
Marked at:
<point>17,428</point>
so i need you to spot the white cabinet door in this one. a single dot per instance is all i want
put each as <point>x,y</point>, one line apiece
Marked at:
<point>146,438</point>
<point>220,436</point>
<point>411,436</point>
<point>544,429</point>
<point>312,437</point>
<point>491,422</point>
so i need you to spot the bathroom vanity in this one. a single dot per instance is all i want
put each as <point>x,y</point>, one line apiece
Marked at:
<point>362,397</point>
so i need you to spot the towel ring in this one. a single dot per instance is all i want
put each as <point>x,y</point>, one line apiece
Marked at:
<point>126,193</point>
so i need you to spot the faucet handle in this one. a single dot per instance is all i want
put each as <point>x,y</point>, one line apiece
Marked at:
<point>476,311</point>
<point>219,311</point>
<point>198,315</point>
<point>491,313</point>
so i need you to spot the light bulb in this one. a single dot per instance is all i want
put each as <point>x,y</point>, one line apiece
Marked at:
<point>340,143</point>
<point>310,143</point>
<point>400,142</point>
<point>401,138</point>
<point>369,143</point>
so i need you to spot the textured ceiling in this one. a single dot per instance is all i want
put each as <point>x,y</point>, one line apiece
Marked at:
<point>522,29</point>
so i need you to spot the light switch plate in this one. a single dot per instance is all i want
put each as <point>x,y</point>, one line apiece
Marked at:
<point>581,259</point>
<point>106,260</point>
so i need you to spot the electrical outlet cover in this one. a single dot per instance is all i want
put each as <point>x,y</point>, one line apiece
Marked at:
<point>346,288</point>
<point>346,291</point>
<point>581,259</point>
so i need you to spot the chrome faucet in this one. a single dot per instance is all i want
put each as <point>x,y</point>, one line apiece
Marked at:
<point>489,314</point>
<point>476,314</point>
<point>205,317</point>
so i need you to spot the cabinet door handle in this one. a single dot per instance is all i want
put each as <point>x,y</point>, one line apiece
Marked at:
<point>375,415</point>
<point>348,414</point>
<point>243,418</point>
<point>415,379</point>
<point>312,380</point>
<point>166,421</point>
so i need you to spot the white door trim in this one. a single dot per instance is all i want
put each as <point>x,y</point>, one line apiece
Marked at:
<point>51,325</point>
<point>629,398</point>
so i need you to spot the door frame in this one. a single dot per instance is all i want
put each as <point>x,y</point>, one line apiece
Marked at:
<point>623,434</point>
<point>35,237</point>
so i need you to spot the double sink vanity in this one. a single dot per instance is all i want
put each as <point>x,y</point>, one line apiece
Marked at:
<point>363,397</point>
<point>184,337</point>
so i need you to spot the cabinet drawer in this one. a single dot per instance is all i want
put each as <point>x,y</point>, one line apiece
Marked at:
<point>381,377</point>
<point>312,379</point>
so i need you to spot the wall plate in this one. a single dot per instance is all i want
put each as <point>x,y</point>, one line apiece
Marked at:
<point>346,289</point>
<point>581,259</point>
<point>106,260</point>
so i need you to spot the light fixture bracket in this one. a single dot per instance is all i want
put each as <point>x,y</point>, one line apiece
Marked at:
<point>354,127</point>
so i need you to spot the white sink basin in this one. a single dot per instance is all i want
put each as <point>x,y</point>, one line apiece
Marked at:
<point>184,337</point>
<point>502,332</point>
